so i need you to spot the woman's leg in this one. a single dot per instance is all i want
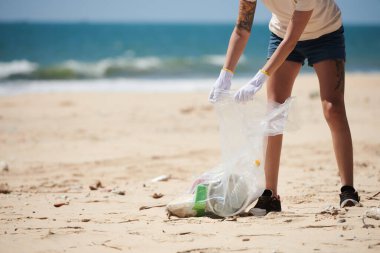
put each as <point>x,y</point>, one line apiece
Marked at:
<point>279,88</point>
<point>331,80</point>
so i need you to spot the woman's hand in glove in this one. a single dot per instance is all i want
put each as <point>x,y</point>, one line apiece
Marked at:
<point>222,83</point>
<point>246,92</point>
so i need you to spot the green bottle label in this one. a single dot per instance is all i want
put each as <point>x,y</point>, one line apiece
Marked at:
<point>200,200</point>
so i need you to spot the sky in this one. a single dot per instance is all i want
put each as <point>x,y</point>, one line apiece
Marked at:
<point>193,11</point>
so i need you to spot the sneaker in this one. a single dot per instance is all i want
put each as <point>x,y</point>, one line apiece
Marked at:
<point>266,203</point>
<point>348,196</point>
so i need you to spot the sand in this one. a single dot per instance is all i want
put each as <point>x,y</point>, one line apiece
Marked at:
<point>57,145</point>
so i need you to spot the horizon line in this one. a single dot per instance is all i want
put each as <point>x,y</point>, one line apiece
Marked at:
<point>151,22</point>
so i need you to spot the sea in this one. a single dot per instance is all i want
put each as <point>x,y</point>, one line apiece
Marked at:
<point>85,53</point>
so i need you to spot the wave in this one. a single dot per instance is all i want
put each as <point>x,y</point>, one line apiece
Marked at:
<point>16,67</point>
<point>218,60</point>
<point>126,66</point>
<point>106,67</point>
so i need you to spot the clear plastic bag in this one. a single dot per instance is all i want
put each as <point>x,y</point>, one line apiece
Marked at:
<point>238,180</point>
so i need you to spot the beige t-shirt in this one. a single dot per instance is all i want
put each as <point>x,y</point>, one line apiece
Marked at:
<point>326,17</point>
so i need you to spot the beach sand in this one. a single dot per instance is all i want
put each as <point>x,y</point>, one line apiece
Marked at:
<point>58,144</point>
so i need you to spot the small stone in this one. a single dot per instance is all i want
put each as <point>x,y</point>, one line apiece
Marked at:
<point>86,220</point>
<point>157,195</point>
<point>59,204</point>
<point>97,184</point>
<point>341,220</point>
<point>117,191</point>
<point>4,188</point>
<point>120,192</point>
<point>245,239</point>
<point>4,166</point>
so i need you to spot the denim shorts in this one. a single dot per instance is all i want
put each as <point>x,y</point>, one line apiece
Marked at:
<point>330,46</point>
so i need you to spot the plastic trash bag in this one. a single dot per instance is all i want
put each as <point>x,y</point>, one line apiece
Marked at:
<point>238,180</point>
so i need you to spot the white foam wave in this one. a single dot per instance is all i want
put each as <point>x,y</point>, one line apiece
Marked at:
<point>218,60</point>
<point>16,67</point>
<point>123,65</point>
<point>100,68</point>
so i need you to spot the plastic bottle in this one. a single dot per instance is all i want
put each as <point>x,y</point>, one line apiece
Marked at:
<point>190,205</point>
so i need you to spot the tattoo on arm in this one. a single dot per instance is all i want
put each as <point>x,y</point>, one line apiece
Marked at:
<point>246,13</point>
<point>339,75</point>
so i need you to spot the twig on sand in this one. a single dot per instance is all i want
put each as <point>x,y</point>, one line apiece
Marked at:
<point>373,196</point>
<point>130,220</point>
<point>373,245</point>
<point>319,226</point>
<point>200,250</point>
<point>149,207</point>
<point>184,233</point>
<point>248,235</point>
<point>109,246</point>
<point>177,219</point>
<point>215,249</point>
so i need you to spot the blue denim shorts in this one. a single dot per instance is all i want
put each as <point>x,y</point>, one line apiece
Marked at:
<point>330,46</point>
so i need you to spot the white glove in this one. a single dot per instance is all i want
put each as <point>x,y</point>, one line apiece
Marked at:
<point>246,92</point>
<point>222,83</point>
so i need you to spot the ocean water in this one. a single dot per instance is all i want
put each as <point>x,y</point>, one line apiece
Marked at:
<point>39,51</point>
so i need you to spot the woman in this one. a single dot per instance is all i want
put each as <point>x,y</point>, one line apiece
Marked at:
<point>301,29</point>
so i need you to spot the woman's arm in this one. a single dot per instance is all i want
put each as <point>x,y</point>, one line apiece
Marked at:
<point>240,34</point>
<point>238,41</point>
<point>295,29</point>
